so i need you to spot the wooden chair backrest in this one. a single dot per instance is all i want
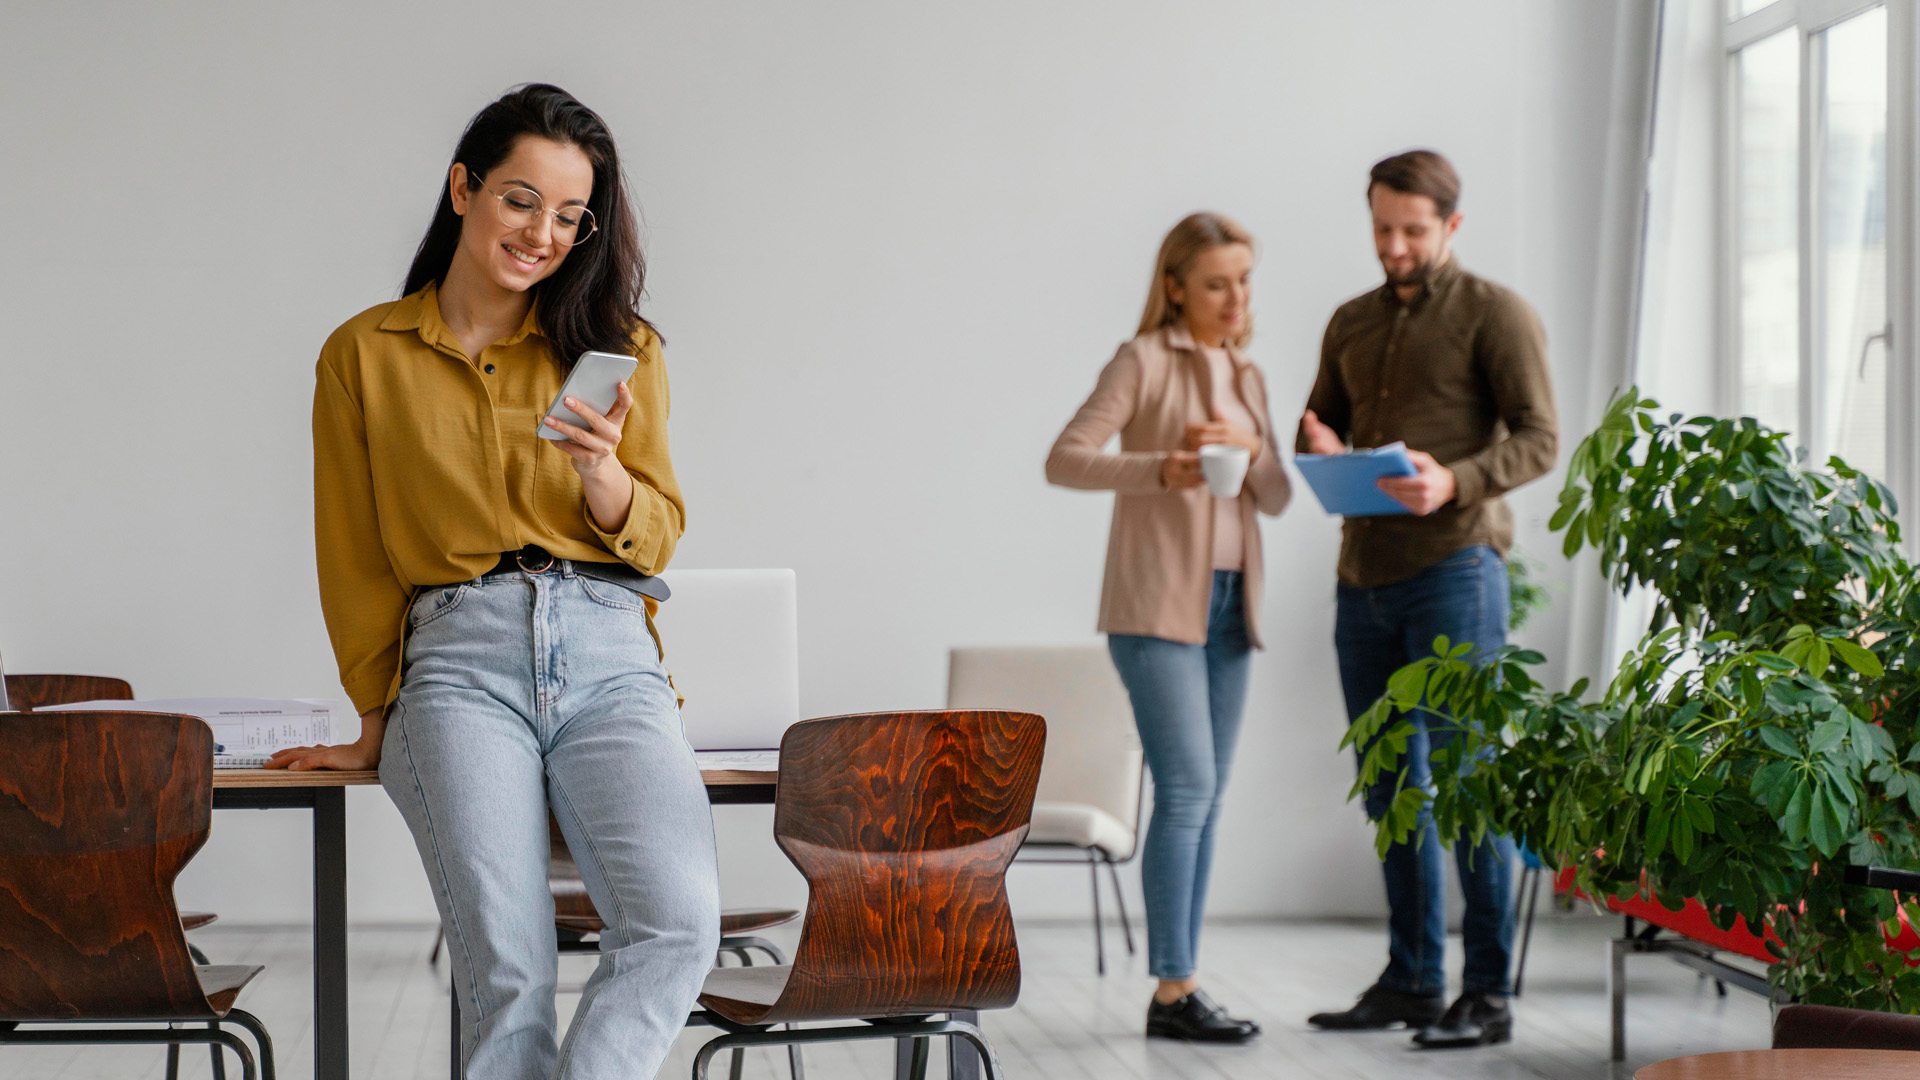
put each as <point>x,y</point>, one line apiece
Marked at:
<point>98,813</point>
<point>29,692</point>
<point>903,825</point>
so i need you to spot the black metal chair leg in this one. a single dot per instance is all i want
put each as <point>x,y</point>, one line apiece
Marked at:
<point>456,1066</point>
<point>219,1061</point>
<point>1099,942</point>
<point>918,1070</point>
<point>260,1039</point>
<point>173,1060</point>
<point>198,956</point>
<point>989,1061</point>
<point>794,1064</point>
<point>1120,901</point>
<point>1529,884</point>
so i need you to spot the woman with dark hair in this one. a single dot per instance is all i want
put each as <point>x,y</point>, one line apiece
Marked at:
<point>490,594</point>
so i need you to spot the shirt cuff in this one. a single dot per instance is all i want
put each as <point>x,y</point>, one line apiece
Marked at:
<point>631,544</point>
<point>1469,482</point>
<point>370,692</point>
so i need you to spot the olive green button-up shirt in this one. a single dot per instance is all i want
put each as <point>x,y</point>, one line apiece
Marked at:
<point>1460,371</point>
<point>427,464</point>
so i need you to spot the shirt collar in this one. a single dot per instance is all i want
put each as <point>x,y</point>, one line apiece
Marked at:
<point>421,311</point>
<point>1437,281</point>
<point>1179,337</point>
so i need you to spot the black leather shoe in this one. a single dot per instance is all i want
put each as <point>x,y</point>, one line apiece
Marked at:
<point>1476,1018</point>
<point>1382,1007</point>
<point>1197,1018</point>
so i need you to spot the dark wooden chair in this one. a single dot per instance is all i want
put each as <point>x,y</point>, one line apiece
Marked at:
<point>30,692</point>
<point>98,813</point>
<point>903,825</point>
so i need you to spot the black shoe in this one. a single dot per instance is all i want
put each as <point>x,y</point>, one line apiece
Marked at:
<point>1382,1007</point>
<point>1476,1018</point>
<point>1197,1019</point>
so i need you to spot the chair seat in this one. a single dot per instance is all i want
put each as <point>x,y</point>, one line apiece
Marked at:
<point>733,922</point>
<point>194,920</point>
<point>222,983</point>
<point>744,994</point>
<point>737,921</point>
<point>1080,825</point>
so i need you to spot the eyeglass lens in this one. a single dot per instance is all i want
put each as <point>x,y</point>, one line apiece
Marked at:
<point>521,207</point>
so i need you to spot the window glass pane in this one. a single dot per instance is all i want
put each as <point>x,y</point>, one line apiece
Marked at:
<point>1768,207</point>
<point>1852,206</point>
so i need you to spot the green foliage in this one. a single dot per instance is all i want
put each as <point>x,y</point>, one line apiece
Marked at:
<point>1761,735</point>
<point>1527,595</point>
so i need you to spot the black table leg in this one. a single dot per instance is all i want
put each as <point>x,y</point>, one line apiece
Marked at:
<point>330,933</point>
<point>963,1061</point>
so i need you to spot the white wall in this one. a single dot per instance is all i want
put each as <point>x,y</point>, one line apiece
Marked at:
<point>891,245</point>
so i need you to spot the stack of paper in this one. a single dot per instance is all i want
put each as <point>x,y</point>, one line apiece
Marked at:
<point>246,731</point>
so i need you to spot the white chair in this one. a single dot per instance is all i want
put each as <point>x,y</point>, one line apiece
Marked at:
<point>1087,809</point>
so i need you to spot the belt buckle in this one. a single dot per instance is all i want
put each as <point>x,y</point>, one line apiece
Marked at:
<point>520,558</point>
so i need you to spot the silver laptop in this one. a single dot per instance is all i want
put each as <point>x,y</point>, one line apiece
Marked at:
<point>732,643</point>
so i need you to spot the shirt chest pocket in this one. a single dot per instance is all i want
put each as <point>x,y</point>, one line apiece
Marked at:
<point>555,497</point>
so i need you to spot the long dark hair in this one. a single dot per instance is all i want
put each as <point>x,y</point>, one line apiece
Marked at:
<point>593,300</point>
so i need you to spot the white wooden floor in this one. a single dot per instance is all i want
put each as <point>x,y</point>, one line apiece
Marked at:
<point>1069,1023</point>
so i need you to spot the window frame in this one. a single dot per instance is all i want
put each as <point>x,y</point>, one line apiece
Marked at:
<point>1808,18</point>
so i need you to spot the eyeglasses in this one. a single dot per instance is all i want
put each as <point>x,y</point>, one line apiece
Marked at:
<point>520,208</point>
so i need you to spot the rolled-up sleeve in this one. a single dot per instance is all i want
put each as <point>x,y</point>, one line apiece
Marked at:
<point>1079,458</point>
<point>363,599</point>
<point>658,517</point>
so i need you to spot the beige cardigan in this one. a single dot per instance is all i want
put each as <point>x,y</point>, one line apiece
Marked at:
<point>1160,553</point>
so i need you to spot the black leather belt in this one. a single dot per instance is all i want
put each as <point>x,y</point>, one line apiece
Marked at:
<point>534,559</point>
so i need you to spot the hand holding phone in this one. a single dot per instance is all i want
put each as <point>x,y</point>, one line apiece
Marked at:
<point>595,381</point>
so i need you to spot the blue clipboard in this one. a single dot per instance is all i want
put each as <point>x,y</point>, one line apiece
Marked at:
<point>1347,484</point>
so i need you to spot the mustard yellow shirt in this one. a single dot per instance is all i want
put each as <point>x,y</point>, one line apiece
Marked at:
<point>426,466</point>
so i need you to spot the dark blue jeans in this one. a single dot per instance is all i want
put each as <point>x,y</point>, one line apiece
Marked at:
<point>1187,703</point>
<point>1378,631</point>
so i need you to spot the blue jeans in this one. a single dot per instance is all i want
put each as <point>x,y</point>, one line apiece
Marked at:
<point>524,692</point>
<point>1187,701</point>
<point>1378,631</point>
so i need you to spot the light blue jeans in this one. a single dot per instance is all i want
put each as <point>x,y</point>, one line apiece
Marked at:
<point>1187,703</point>
<point>528,691</point>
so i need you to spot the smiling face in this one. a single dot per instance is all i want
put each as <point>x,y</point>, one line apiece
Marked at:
<point>1409,234</point>
<point>517,259</point>
<point>1213,296</point>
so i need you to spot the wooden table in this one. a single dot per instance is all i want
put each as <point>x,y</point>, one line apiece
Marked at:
<point>1788,1065</point>
<point>325,793</point>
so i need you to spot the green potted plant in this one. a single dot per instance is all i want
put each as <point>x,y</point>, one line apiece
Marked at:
<point>1761,734</point>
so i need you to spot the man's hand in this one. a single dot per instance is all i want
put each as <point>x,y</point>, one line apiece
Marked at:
<point>1321,439</point>
<point>1429,489</point>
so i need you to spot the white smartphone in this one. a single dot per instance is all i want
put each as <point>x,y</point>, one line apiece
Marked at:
<point>595,379</point>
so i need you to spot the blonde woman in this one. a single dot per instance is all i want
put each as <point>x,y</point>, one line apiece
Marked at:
<point>1180,606</point>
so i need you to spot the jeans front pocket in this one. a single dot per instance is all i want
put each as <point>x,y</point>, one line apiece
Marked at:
<point>607,594</point>
<point>435,602</point>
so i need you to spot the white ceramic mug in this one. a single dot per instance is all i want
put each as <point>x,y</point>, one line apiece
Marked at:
<point>1225,467</point>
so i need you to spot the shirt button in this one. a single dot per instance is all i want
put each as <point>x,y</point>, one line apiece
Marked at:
<point>489,369</point>
<point>625,544</point>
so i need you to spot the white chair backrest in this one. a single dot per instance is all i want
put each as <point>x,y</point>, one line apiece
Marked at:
<point>732,641</point>
<point>1093,751</point>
